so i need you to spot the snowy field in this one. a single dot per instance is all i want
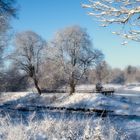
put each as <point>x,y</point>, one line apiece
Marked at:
<point>122,124</point>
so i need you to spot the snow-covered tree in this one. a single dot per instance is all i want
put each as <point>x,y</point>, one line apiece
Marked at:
<point>75,53</point>
<point>28,54</point>
<point>103,71</point>
<point>126,13</point>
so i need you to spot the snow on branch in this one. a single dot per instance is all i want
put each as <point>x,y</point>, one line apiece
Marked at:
<point>125,12</point>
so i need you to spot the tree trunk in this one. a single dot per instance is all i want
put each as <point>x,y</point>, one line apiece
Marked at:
<point>37,86</point>
<point>72,87</point>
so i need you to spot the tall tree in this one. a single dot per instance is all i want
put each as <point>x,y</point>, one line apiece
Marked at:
<point>28,54</point>
<point>123,12</point>
<point>75,53</point>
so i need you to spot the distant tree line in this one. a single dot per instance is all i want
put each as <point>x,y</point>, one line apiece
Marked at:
<point>51,77</point>
<point>105,74</point>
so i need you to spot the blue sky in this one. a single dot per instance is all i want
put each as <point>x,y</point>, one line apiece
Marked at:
<point>46,17</point>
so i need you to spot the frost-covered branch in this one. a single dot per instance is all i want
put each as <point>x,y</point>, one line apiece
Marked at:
<point>122,12</point>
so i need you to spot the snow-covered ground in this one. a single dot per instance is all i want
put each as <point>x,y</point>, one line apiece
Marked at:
<point>132,87</point>
<point>128,87</point>
<point>121,102</point>
<point>55,125</point>
<point>28,98</point>
<point>120,105</point>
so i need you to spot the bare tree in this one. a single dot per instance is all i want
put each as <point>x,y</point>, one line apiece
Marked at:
<point>75,53</point>
<point>118,76</point>
<point>28,54</point>
<point>122,12</point>
<point>130,74</point>
<point>103,72</point>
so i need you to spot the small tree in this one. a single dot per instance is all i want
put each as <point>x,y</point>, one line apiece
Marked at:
<point>118,76</point>
<point>102,72</point>
<point>75,53</point>
<point>28,54</point>
<point>130,74</point>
